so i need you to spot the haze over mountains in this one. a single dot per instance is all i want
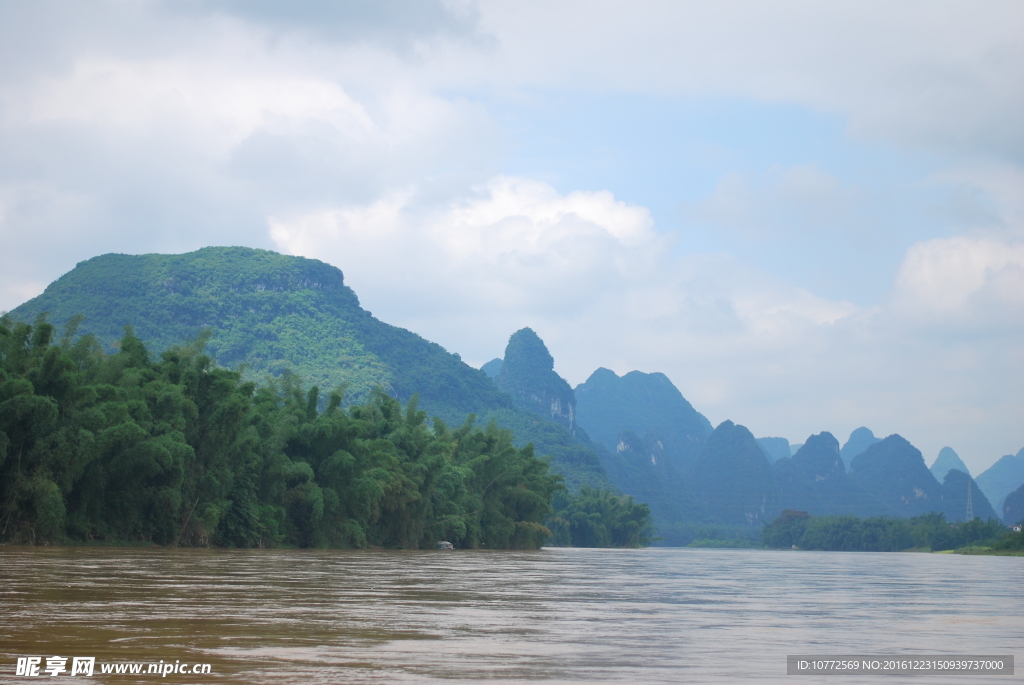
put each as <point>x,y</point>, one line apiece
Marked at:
<point>634,433</point>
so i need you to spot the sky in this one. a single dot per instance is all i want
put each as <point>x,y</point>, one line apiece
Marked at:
<point>809,216</point>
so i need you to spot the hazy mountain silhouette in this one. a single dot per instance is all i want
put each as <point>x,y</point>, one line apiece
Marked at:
<point>947,459</point>
<point>1002,478</point>
<point>732,480</point>
<point>775,448</point>
<point>1013,507</point>
<point>648,405</point>
<point>492,367</point>
<point>893,472</point>
<point>859,440</point>
<point>954,496</point>
<point>815,480</point>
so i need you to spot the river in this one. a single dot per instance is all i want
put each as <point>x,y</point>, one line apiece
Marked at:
<point>655,615</point>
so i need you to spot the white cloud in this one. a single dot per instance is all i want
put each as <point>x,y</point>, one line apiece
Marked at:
<point>515,244</point>
<point>963,280</point>
<point>944,75</point>
<point>582,266</point>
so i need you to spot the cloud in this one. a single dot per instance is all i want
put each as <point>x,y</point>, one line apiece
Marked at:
<point>797,201</point>
<point>975,283</point>
<point>400,25</point>
<point>945,77</point>
<point>514,245</point>
<point>582,266</point>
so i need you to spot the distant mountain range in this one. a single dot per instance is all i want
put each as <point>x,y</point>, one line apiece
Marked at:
<point>1002,478</point>
<point>635,433</point>
<point>655,446</point>
<point>947,460</point>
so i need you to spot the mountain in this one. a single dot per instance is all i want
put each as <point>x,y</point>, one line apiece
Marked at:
<point>650,436</point>
<point>647,405</point>
<point>528,375</point>
<point>273,313</point>
<point>947,459</point>
<point>545,411</point>
<point>732,480</point>
<point>1002,478</point>
<point>815,480</point>
<point>492,367</point>
<point>1013,507</point>
<point>775,448</point>
<point>955,499</point>
<point>638,467</point>
<point>893,472</point>
<point>860,440</point>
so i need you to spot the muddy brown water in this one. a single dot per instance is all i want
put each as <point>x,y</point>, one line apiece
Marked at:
<point>554,615</point>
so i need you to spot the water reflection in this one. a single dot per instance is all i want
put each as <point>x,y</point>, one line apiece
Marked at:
<point>651,616</point>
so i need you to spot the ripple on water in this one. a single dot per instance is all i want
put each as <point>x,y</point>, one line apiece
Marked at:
<point>649,616</point>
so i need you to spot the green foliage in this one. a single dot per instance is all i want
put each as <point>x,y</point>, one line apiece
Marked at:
<point>124,448</point>
<point>876,534</point>
<point>599,518</point>
<point>573,456</point>
<point>1011,541</point>
<point>263,313</point>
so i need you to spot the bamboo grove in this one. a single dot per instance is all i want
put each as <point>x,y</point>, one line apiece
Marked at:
<point>122,448</point>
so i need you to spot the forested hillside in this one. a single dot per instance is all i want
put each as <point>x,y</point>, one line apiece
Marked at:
<point>269,312</point>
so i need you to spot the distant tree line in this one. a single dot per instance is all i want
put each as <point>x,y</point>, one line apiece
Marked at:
<point>879,534</point>
<point>599,518</point>
<point>123,448</point>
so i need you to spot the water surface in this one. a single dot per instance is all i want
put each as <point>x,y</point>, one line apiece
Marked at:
<point>555,615</point>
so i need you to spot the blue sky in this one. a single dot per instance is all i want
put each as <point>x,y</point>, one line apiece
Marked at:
<point>670,154</point>
<point>809,216</point>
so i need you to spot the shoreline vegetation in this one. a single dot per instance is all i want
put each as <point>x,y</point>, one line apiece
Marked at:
<point>121,449</point>
<point>928,533</point>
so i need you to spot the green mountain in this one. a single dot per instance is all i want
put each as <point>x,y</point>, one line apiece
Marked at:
<point>860,440</point>
<point>647,405</point>
<point>638,467</point>
<point>1013,506</point>
<point>947,460</point>
<point>492,367</point>
<point>1002,478</point>
<point>815,480</point>
<point>955,502</point>
<point>528,375</point>
<point>650,437</point>
<point>269,312</point>
<point>893,472</point>
<point>732,480</point>
<point>545,411</point>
